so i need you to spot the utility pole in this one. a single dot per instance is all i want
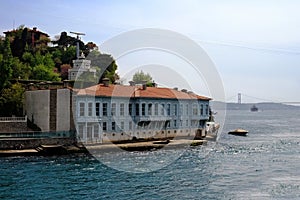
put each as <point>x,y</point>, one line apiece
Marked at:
<point>77,43</point>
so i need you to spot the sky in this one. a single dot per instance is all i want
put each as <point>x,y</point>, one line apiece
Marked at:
<point>254,45</point>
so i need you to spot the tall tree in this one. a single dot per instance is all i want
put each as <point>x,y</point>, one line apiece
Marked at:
<point>6,60</point>
<point>11,100</point>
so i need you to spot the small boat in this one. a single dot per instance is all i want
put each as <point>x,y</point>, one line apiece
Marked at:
<point>254,108</point>
<point>239,132</point>
<point>162,142</point>
<point>49,150</point>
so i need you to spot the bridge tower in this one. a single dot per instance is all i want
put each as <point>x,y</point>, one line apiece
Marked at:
<point>239,98</point>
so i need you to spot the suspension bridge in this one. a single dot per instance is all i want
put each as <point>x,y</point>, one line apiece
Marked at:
<point>251,99</point>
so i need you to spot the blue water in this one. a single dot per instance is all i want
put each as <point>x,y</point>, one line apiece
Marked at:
<point>263,165</point>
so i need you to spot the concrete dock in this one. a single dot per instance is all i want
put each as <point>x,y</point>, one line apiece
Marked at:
<point>110,147</point>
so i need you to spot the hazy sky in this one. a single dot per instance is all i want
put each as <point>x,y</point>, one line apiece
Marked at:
<point>255,45</point>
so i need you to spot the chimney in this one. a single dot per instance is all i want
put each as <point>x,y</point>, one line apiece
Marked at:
<point>175,88</point>
<point>131,83</point>
<point>105,82</point>
<point>66,83</point>
<point>34,29</point>
<point>31,86</point>
<point>154,84</point>
<point>144,86</point>
<point>184,90</point>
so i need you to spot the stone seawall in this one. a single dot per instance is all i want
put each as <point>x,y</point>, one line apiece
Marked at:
<point>31,143</point>
<point>13,127</point>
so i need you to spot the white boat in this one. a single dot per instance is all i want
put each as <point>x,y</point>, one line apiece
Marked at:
<point>239,132</point>
<point>211,130</point>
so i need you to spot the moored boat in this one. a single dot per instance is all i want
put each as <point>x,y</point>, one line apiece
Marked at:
<point>254,108</point>
<point>239,132</point>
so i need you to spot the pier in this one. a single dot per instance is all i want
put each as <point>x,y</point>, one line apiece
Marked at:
<point>108,147</point>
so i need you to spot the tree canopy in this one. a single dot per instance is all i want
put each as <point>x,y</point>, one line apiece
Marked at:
<point>140,77</point>
<point>26,54</point>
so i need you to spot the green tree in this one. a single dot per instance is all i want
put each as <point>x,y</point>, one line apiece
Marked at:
<point>141,77</point>
<point>6,60</point>
<point>42,72</point>
<point>68,55</point>
<point>105,64</point>
<point>11,100</point>
<point>28,58</point>
<point>20,69</point>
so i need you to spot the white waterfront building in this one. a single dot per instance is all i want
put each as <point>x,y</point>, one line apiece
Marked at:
<point>116,113</point>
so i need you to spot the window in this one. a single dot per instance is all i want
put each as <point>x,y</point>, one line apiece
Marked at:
<point>130,109</point>
<point>156,109</point>
<point>201,109</point>
<point>181,124</point>
<point>130,125</point>
<point>122,125</point>
<point>96,131</point>
<point>97,109</point>
<point>187,109</point>
<point>90,109</point>
<point>80,129</point>
<point>206,109</point>
<point>195,109</point>
<point>175,123</point>
<point>122,109</point>
<point>181,109</point>
<point>187,123</point>
<point>168,125</point>
<point>104,110</point>
<point>89,132</point>
<point>162,111</point>
<point>143,109</point>
<point>81,109</point>
<point>104,126</point>
<point>137,109</point>
<point>113,109</point>
<point>150,109</point>
<point>113,126</point>
<point>168,109</point>
<point>175,109</point>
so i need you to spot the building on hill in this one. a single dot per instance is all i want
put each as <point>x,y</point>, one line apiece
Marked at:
<point>116,113</point>
<point>33,37</point>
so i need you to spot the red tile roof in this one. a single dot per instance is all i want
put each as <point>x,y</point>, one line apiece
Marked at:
<point>138,92</point>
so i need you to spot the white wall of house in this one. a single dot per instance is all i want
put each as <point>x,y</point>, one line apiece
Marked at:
<point>94,126</point>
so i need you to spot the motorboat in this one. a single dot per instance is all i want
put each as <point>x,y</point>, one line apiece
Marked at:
<point>254,108</point>
<point>238,132</point>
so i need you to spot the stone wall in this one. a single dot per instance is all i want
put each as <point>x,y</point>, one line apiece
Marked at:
<point>50,109</point>
<point>31,143</point>
<point>37,108</point>
<point>7,127</point>
<point>63,110</point>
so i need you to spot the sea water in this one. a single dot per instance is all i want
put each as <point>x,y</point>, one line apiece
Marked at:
<point>263,165</point>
